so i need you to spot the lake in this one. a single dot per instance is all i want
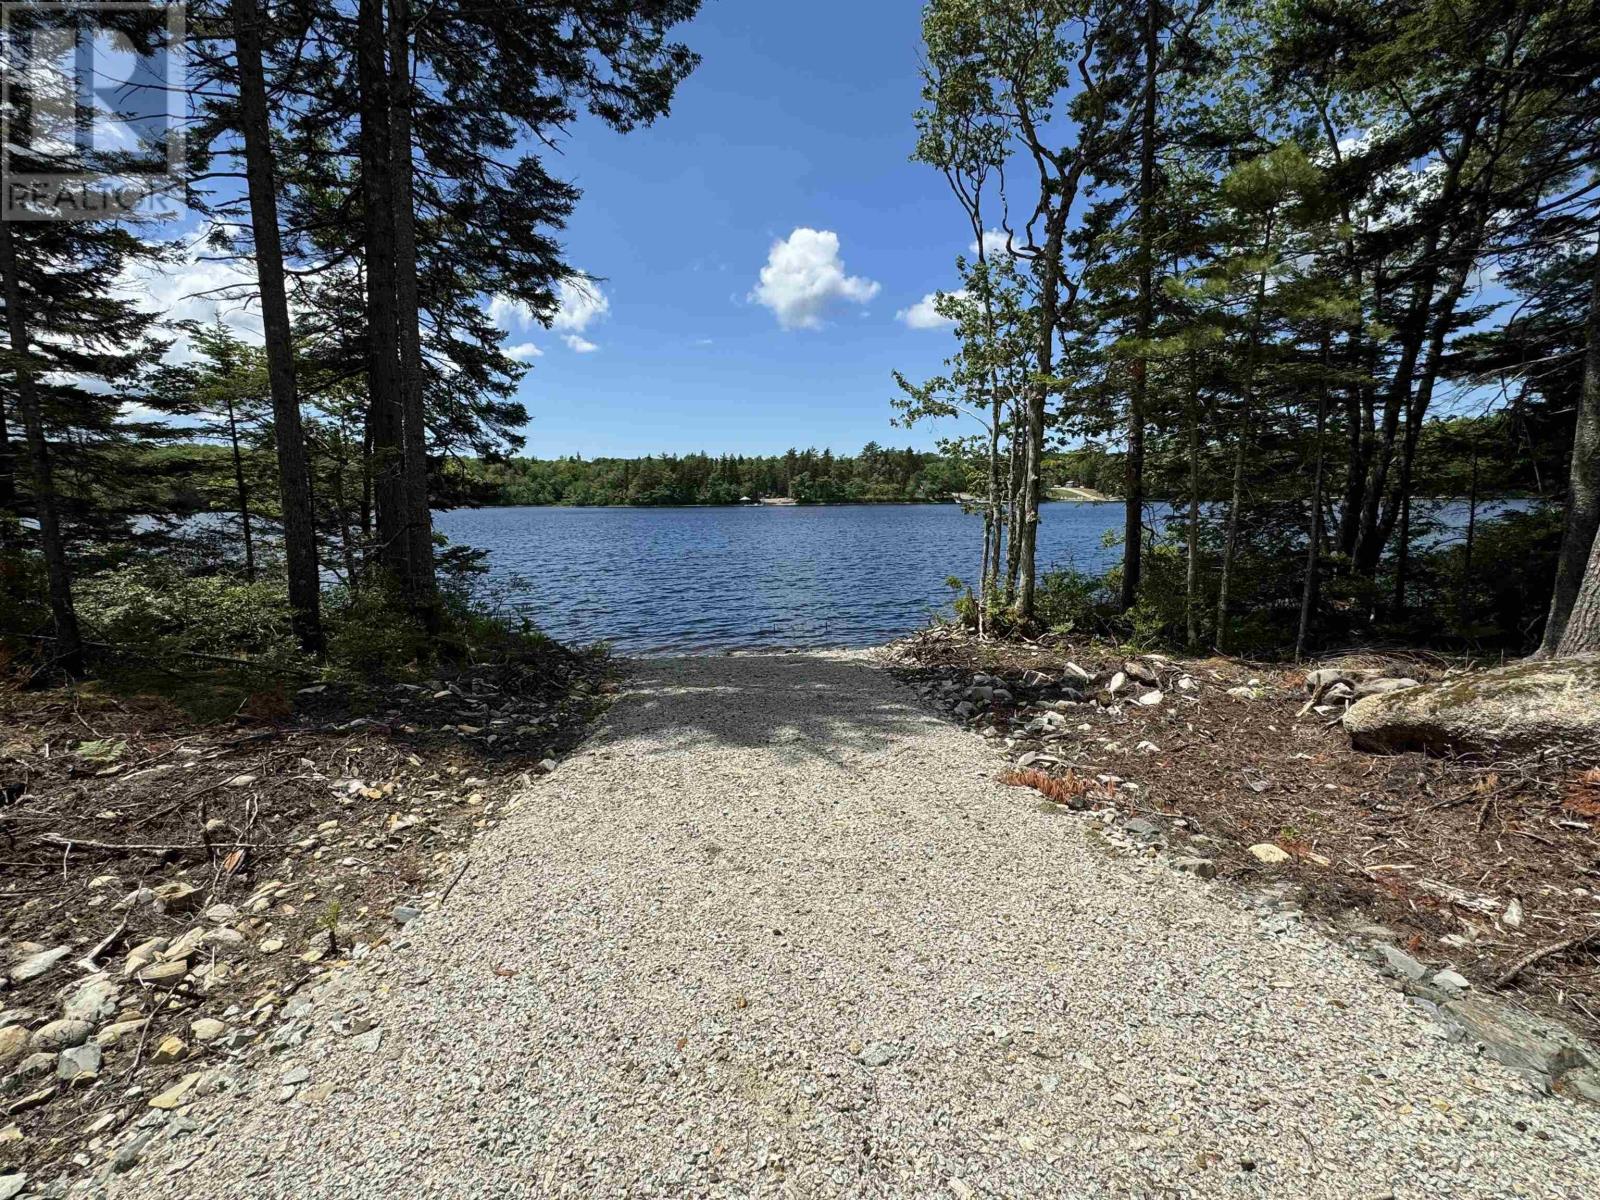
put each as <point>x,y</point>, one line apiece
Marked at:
<point>691,579</point>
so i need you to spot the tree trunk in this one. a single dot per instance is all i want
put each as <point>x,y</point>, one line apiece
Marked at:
<point>1191,579</point>
<point>58,572</point>
<point>294,473</point>
<point>1582,632</point>
<point>1033,457</point>
<point>243,494</point>
<point>423,592</point>
<point>1583,490</point>
<point>1308,597</point>
<point>1139,392</point>
<point>384,388</point>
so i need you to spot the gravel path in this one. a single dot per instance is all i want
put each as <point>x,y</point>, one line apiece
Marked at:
<point>776,931</point>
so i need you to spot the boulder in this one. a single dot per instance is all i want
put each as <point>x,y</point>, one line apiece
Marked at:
<point>1524,706</point>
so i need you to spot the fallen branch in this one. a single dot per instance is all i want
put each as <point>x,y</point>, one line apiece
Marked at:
<point>1544,952</point>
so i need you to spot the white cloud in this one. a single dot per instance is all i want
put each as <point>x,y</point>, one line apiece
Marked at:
<point>994,243</point>
<point>524,351</point>
<point>804,280</point>
<point>579,303</point>
<point>198,290</point>
<point>579,345</point>
<point>923,314</point>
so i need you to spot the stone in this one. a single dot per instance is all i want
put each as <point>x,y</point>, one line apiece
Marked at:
<point>404,914</point>
<point>128,1154</point>
<point>1268,853</point>
<point>184,946</point>
<point>222,914</point>
<point>546,766</point>
<point>94,1001</point>
<point>1151,699</point>
<point>1396,962</point>
<point>113,1034</point>
<point>142,955</point>
<point>966,710</point>
<point>1116,684</point>
<point>270,946</point>
<point>171,1050</point>
<point>163,972</point>
<point>80,1064</point>
<point>1143,828</point>
<point>1450,981</point>
<point>36,965</point>
<point>174,1095</point>
<point>1581,1084</point>
<point>1526,706</point>
<point>176,896</point>
<point>368,1042</point>
<point>13,1043</point>
<point>207,1029</point>
<point>12,1185</point>
<point>1382,687</point>
<point>294,1076</point>
<point>222,936</point>
<point>1522,1041</point>
<point>879,1054</point>
<point>1203,867</point>
<point>58,1035</point>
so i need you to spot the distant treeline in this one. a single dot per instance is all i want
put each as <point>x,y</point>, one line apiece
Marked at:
<point>875,476</point>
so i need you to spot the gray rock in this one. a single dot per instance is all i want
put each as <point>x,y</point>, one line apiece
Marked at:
<point>404,914</point>
<point>368,1042</point>
<point>1451,982</point>
<point>58,1035</point>
<point>1522,1041</point>
<point>1524,706</point>
<point>11,1185</point>
<point>1396,962</point>
<point>294,1076</point>
<point>94,1001</point>
<point>79,1063</point>
<point>36,965</point>
<point>966,710</point>
<point>1143,828</point>
<point>1581,1084</point>
<point>1382,687</point>
<point>879,1054</point>
<point>1203,867</point>
<point>128,1154</point>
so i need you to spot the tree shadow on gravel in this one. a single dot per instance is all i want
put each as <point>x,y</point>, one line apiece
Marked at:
<point>803,706</point>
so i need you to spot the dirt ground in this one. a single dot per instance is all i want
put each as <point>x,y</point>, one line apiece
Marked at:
<point>1492,867</point>
<point>199,873</point>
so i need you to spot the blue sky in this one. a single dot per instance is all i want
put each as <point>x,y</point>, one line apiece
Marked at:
<point>799,117</point>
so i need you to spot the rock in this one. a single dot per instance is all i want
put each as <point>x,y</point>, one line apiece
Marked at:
<point>1268,853</point>
<point>12,1185</point>
<point>1116,684</point>
<point>1002,697</point>
<point>222,914</point>
<point>1524,706</point>
<point>879,1054</point>
<point>271,946</point>
<point>222,936</point>
<point>546,766</point>
<point>128,1154</point>
<point>142,955</point>
<point>1151,699</point>
<point>176,896</point>
<point>1396,962</point>
<point>404,914</point>
<point>966,710</point>
<point>184,946</point>
<point>1452,982</point>
<point>36,965</point>
<point>1246,692</point>
<point>79,1064</point>
<point>13,1043</point>
<point>166,973</point>
<point>1513,914</point>
<point>58,1035</point>
<point>171,1050</point>
<point>1522,1041</point>
<point>294,1076</point>
<point>1581,1084</point>
<point>368,1042</point>
<point>207,1029</point>
<point>1382,687</point>
<point>1144,829</point>
<point>112,1034</point>
<point>174,1095</point>
<point>1203,867</point>
<point>94,1001</point>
